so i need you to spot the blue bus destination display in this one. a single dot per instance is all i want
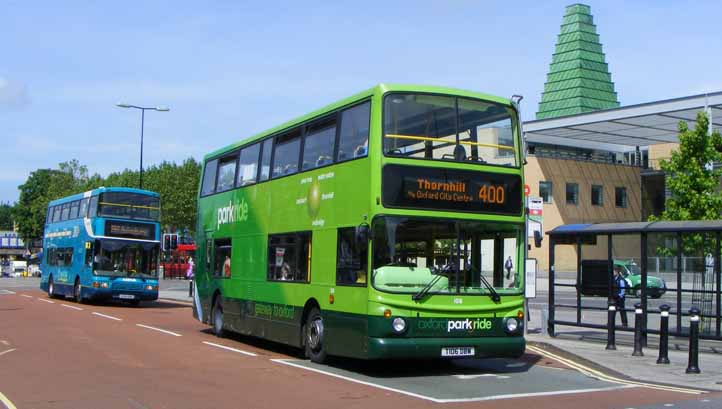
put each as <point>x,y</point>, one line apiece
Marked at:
<point>129,230</point>
<point>450,189</point>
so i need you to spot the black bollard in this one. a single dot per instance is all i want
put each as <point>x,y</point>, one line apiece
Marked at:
<point>693,363</point>
<point>611,313</point>
<point>637,330</point>
<point>190,287</point>
<point>663,335</point>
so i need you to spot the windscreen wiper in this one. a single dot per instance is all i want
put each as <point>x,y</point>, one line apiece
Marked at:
<point>492,292</point>
<point>421,294</point>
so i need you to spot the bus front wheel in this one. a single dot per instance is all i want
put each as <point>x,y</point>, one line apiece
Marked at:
<point>78,291</point>
<point>51,287</point>
<point>314,334</point>
<point>218,318</point>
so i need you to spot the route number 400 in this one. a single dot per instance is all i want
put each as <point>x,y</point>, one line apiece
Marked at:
<point>492,194</point>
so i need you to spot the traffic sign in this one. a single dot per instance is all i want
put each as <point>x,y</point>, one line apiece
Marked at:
<point>527,190</point>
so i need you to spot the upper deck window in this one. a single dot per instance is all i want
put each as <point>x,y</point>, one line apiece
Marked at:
<point>449,128</point>
<point>354,135</point>
<point>318,145</point>
<point>126,205</point>
<point>285,157</point>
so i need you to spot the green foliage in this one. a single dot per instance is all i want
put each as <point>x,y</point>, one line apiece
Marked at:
<point>176,184</point>
<point>693,183</point>
<point>6,216</point>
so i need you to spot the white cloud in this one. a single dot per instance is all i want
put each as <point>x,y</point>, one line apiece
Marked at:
<point>13,95</point>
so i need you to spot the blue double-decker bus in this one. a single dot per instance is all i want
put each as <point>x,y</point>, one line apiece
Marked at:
<point>103,244</point>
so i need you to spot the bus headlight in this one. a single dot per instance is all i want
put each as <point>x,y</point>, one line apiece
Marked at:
<point>103,285</point>
<point>399,325</point>
<point>148,287</point>
<point>512,324</point>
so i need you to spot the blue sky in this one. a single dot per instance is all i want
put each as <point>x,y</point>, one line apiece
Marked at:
<point>229,69</point>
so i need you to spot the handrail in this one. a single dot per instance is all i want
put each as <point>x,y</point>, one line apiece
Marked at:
<point>426,138</point>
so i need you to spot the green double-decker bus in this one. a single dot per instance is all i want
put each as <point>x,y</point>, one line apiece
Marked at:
<point>389,224</point>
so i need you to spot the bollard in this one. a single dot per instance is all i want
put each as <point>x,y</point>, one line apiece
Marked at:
<point>637,330</point>
<point>693,363</point>
<point>663,335</point>
<point>190,288</point>
<point>611,313</point>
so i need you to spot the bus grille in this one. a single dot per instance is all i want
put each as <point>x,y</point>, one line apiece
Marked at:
<point>127,286</point>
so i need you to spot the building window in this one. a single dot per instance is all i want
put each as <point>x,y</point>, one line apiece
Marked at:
<point>572,193</point>
<point>222,258</point>
<point>597,195</point>
<point>289,257</point>
<point>620,197</point>
<point>351,261</point>
<point>545,191</point>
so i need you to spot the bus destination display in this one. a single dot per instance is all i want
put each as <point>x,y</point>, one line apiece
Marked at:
<point>130,230</point>
<point>451,189</point>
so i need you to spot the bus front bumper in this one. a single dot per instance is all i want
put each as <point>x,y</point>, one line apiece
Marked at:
<point>405,348</point>
<point>110,294</point>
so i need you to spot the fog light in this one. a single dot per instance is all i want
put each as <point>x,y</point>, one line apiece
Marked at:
<point>399,325</point>
<point>104,285</point>
<point>512,324</point>
<point>149,288</point>
<point>96,284</point>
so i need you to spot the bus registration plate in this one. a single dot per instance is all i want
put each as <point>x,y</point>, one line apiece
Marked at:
<point>457,351</point>
<point>126,296</point>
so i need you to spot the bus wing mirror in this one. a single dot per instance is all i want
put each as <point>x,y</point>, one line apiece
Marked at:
<point>537,238</point>
<point>361,234</point>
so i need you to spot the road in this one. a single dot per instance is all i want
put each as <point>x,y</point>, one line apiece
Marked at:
<point>59,354</point>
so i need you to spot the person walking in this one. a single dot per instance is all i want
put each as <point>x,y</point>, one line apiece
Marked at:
<point>620,285</point>
<point>508,265</point>
<point>189,276</point>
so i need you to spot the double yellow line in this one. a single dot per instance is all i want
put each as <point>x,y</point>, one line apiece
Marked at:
<point>608,378</point>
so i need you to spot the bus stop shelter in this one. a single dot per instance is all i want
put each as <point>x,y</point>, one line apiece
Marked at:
<point>673,263</point>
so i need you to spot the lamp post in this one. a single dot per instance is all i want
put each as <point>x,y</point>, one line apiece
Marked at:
<point>142,121</point>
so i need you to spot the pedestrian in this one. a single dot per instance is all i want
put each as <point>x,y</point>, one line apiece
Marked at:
<point>189,271</point>
<point>620,285</point>
<point>508,265</point>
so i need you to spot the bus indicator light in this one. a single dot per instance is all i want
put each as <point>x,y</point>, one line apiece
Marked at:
<point>520,314</point>
<point>330,299</point>
<point>387,313</point>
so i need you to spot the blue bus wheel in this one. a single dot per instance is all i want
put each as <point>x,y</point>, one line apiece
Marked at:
<point>78,292</point>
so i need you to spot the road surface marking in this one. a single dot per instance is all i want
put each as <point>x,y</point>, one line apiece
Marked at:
<point>8,351</point>
<point>488,375</point>
<point>160,330</point>
<point>107,316</point>
<point>47,301</point>
<point>72,306</point>
<point>437,400</point>
<point>6,402</point>
<point>604,377</point>
<point>2,341</point>
<point>26,296</point>
<point>7,292</point>
<point>230,349</point>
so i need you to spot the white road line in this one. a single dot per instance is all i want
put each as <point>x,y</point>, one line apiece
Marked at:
<point>8,351</point>
<point>7,292</point>
<point>47,301</point>
<point>6,402</point>
<point>436,400</point>
<point>26,296</point>
<point>107,316</point>
<point>175,334</point>
<point>72,306</point>
<point>230,349</point>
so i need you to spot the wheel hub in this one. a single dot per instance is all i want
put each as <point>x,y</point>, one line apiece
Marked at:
<point>315,334</point>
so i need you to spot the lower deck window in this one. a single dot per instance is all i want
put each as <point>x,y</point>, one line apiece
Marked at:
<point>222,258</point>
<point>289,257</point>
<point>351,261</point>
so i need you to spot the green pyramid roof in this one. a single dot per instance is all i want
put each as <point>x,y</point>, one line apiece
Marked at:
<point>578,80</point>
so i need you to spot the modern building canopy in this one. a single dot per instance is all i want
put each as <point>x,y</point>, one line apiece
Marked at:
<point>691,226</point>
<point>634,125</point>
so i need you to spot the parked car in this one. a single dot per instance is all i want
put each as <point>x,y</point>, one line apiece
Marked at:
<point>656,287</point>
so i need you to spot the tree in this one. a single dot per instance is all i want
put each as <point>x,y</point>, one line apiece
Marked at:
<point>30,211</point>
<point>692,180</point>
<point>6,216</point>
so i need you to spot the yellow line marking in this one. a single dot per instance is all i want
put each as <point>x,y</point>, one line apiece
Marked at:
<point>602,376</point>
<point>426,138</point>
<point>7,402</point>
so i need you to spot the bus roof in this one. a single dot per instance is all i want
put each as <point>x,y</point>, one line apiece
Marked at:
<point>100,190</point>
<point>378,89</point>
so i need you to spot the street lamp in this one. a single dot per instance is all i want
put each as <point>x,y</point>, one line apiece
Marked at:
<point>142,121</point>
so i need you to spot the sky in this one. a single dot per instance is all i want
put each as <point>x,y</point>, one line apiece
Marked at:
<point>230,69</point>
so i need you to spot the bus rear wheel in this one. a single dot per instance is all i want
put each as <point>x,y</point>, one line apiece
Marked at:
<point>314,334</point>
<point>217,314</point>
<point>51,288</point>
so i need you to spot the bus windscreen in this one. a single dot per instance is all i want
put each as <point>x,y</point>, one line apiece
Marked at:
<point>118,258</point>
<point>126,205</point>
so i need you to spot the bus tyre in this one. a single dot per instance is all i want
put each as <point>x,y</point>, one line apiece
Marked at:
<point>51,288</point>
<point>314,337</point>
<point>638,292</point>
<point>217,315</point>
<point>78,291</point>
